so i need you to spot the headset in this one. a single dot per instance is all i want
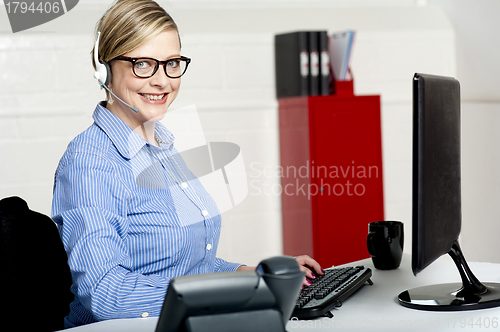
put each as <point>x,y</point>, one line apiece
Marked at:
<point>102,70</point>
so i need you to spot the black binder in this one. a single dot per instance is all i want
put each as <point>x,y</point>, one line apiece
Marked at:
<point>292,64</point>
<point>324,81</point>
<point>314,63</point>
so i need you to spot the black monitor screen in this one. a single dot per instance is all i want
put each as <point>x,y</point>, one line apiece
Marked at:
<point>437,210</point>
<point>437,207</point>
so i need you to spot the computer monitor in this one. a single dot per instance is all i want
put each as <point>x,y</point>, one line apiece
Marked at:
<point>437,211</point>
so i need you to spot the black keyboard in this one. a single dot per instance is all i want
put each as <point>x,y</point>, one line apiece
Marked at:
<point>329,291</point>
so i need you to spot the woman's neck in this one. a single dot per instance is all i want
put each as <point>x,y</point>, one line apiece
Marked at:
<point>145,129</point>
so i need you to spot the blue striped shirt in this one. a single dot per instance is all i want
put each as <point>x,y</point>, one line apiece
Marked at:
<point>131,217</point>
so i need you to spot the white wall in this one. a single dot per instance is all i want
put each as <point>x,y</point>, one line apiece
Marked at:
<point>47,95</point>
<point>476,27</point>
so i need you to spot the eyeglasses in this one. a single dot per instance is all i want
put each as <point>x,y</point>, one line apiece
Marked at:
<point>147,67</point>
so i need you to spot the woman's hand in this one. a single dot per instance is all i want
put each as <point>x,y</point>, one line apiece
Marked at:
<point>306,264</point>
<point>310,267</point>
<point>245,268</point>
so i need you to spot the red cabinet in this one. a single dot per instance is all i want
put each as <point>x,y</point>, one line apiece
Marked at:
<point>332,183</point>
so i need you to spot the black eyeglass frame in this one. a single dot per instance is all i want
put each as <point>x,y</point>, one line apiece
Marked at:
<point>158,63</point>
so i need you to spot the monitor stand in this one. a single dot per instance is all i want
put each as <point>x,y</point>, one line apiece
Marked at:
<point>471,294</point>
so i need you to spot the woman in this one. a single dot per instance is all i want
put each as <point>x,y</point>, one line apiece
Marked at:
<point>130,213</point>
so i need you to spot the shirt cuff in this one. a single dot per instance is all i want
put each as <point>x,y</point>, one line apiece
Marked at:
<point>224,266</point>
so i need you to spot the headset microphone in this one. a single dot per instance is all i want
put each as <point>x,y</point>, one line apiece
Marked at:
<point>135,109</point>
<point>102,71</point>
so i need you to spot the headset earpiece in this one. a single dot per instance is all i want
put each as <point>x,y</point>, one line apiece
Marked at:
<point>102,73</point>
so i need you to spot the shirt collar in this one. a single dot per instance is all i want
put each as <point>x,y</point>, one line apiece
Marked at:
<point>128,142</point>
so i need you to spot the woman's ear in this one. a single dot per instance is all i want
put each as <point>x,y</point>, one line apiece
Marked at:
<point>109,74</point>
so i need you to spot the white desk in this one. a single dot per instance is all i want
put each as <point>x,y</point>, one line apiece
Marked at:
<point>376,307</point>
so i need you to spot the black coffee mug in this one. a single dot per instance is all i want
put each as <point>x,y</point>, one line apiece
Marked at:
<point>385,244</point>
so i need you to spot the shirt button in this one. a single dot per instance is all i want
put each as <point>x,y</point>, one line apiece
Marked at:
<point>204,213</point>
<point>145,314</point>
<point>184,185</point>
<point>209,246</point>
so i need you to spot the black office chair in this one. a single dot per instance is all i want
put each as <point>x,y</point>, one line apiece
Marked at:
<point>35,279</point>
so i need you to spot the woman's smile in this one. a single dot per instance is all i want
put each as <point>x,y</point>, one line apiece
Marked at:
<point>154,98</point>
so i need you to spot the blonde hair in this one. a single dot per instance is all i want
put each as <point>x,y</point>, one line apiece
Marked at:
<point>127,25</point>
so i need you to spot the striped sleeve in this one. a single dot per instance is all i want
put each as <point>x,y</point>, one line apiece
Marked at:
<point>89,207</point>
